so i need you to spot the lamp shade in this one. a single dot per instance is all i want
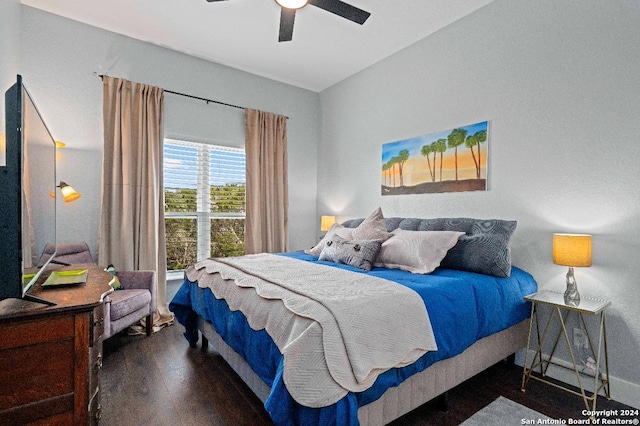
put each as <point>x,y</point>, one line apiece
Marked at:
<point>326,222</point>
<point>572,249</point>
<point>68,193</point>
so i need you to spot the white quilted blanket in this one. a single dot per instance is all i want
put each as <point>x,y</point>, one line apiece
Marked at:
<point>337,329</point>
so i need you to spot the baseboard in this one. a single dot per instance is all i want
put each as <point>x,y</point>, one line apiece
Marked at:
<point>621,390</point>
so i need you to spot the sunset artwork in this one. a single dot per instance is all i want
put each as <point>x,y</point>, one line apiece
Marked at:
<point>448,161</point>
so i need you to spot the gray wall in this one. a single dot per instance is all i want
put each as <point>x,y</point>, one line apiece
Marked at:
<point>59,64</point>
<point>558,82</point>
<point>10,43</point>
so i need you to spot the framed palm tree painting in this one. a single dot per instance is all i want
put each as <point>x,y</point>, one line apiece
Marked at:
<point>452,160</point>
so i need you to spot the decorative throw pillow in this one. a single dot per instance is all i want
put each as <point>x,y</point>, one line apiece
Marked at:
<point>336,229</point>
<point>115,283</point>
<point>419,252</point>
<point>358,253</point>
<point>485,249</point>
<point>372,228</point>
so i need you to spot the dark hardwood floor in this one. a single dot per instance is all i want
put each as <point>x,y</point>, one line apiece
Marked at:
<point>160,380</point>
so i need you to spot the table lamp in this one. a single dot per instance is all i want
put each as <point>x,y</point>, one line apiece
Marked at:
<point>572,250</point>
<point>326,222</point>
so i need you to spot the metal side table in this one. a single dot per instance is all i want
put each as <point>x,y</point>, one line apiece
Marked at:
<point>561,313</point>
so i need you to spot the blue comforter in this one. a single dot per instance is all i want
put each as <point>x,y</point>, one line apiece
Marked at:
<point>463,307</point>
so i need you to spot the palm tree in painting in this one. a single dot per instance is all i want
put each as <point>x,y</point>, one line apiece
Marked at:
<point>454,140</point>
<point>471,141</point>
<point>440,147</point>
<point>401,158</point>
<point>385,167</point>
<point>387,174</point>
<point>434,150</point>
<point>426,150</point>
<point>392,165</point>
<point>481,137</point>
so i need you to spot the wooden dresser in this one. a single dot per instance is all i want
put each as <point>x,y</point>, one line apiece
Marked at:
<point>51,356</point>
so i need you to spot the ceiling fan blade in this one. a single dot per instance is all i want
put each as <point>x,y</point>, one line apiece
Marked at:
<point>343,9</point>
<point>215,0</point>
<point>287,16</point>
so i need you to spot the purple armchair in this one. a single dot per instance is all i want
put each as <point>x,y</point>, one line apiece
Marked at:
<point>70,253</point>
<point>123,308</point>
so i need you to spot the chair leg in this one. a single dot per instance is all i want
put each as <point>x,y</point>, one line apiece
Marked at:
<point>149,324</point>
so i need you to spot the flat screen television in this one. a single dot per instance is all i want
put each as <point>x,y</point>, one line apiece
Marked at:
<point>27,195</point>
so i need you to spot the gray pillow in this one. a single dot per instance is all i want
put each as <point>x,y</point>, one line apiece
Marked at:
<point>485,249</point>
<point>358,253</point>
<point>336,229</point>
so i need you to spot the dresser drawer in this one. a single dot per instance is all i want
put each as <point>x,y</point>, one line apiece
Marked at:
<point>35,331</point>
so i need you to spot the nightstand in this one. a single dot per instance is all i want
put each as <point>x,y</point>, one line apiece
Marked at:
<point>561,313</point>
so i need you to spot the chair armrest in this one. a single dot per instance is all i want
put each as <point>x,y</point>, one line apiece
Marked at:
<point>141,280</point>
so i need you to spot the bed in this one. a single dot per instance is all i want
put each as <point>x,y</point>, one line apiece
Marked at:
<point>473,301</point>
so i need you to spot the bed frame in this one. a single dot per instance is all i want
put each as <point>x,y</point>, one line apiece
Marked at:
<point>413,392</point>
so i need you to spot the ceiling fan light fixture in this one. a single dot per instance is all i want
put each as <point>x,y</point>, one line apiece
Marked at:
<point>292,4</point>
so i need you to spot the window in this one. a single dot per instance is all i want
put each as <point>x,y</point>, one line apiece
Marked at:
<point>204,189</point>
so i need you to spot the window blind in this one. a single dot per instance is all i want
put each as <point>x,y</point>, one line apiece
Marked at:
<point>204,199</point>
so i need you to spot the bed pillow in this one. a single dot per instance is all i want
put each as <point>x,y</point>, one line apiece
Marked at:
<point>336,229</point>
<point>358,253</point>
<point>484,249</point>
<point>419,252</point>
<point>372,228</point>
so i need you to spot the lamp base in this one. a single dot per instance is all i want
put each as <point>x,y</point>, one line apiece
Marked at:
<point>571,294</point>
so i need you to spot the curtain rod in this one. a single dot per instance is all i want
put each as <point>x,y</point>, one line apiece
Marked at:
<point>203,99</point>
<point>196,97</point>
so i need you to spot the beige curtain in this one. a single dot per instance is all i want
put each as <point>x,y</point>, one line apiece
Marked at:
<point>266,222</point>
<point>132,230</point>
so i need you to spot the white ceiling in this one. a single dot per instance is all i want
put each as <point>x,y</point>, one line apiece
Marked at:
<point>243,34</point>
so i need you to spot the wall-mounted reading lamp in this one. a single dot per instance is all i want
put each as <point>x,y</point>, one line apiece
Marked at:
<point>68,193</point>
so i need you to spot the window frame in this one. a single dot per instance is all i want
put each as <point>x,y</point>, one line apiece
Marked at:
<point>203,214</point>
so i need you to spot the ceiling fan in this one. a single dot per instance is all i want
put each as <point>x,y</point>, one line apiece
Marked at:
<point>337,7</point>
